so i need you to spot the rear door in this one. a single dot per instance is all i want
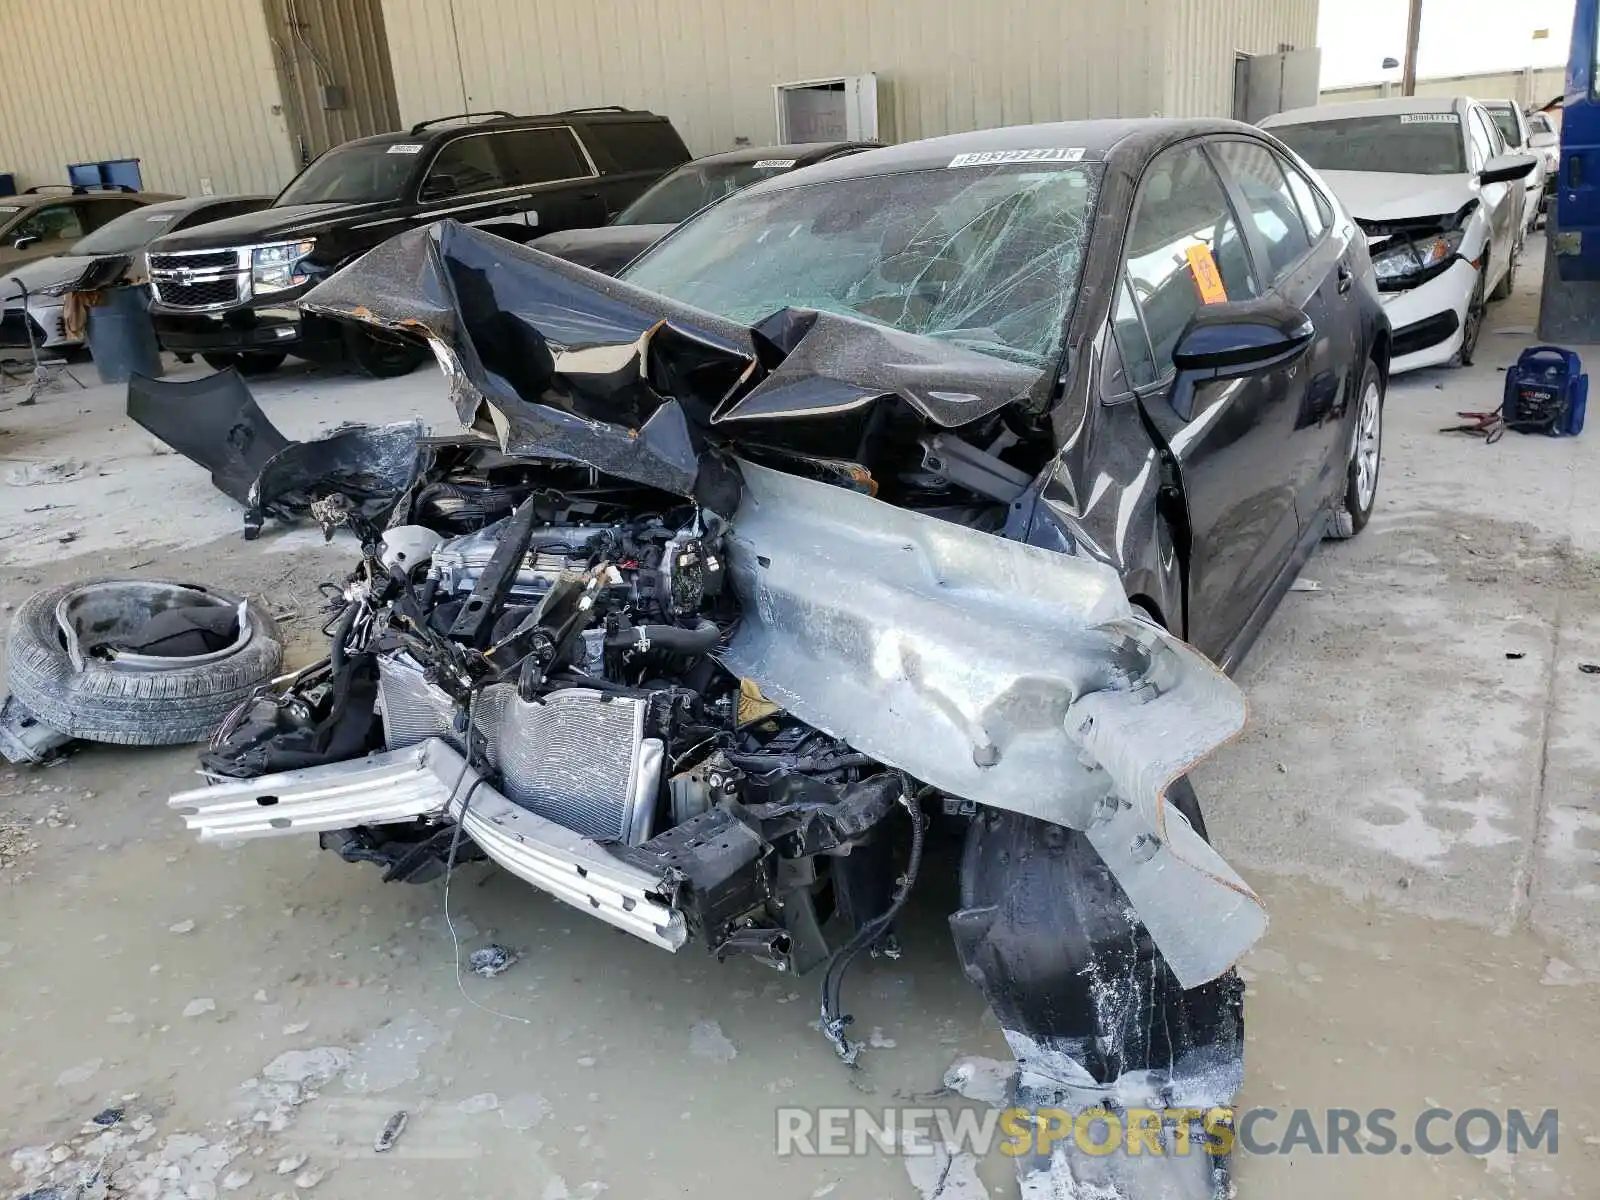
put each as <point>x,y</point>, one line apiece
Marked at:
<point>1231,448</point>
<point>1300,260</point>
<point>518,183</point>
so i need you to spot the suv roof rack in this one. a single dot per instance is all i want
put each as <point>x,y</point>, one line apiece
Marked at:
<point>77,189</point>
<point>491,112</point>
<point>572,112</point>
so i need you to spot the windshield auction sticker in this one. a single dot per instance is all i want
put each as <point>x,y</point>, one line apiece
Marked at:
<point>995,158</point>
<point>1428,119</point>
<point>774,164</point>
<point>405,148</point>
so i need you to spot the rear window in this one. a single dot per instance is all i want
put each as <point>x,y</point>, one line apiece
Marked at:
<point>690,188</point>
<point>636,145</point>
<point>1400,143</point>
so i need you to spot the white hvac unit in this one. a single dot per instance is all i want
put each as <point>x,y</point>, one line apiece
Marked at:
<point>844,108</point>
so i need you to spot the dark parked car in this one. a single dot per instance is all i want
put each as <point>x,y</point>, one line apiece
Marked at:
<point>229,292</point>
<point>680,194</point>
<point>874,496</point>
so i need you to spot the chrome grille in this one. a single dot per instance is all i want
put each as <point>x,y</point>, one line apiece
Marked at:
<point>196,295</point>
<point>581,759</point>
<point>205,279</point>
<point>205,260</point>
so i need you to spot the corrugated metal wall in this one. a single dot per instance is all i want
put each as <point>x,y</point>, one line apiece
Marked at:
<point>710,64</point>
<point>1202,37</point>
<point>322,44</point>
<point>1535,86</point>
<point>81,83</point>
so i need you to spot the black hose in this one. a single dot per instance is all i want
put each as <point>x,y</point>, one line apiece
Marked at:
<point>341,631</point>
<point>809,762</point>
<point>834,1023</point>
<point>701,638</point>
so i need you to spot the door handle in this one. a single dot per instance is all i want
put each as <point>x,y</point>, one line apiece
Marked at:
<point>1347,279</point>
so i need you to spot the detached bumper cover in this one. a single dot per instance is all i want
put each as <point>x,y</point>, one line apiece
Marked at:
<point>431,780</point>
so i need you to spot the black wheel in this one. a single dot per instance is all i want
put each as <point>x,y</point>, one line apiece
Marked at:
<point>1366,458</point>
<point>384,355</point>
<point>130,700</point>
<point>1472,330</point>
<point>220,362</point>
<point>1508,282</point>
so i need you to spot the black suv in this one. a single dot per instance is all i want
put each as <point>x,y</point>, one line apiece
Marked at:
<point>228,290</point>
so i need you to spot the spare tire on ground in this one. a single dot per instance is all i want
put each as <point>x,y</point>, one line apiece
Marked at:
<point>139,662</point>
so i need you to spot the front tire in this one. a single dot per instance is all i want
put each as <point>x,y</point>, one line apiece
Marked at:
<point>383,356</point>
<point>1472,330</point>
<point>1366,458</point>
<point>246,364</point>
<point>1508,281</point>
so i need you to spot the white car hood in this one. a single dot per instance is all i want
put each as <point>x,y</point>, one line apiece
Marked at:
<point>41,274</point>
<point>1384,196</point>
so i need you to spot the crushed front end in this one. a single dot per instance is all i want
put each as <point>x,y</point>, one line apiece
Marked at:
<point>689,674</point>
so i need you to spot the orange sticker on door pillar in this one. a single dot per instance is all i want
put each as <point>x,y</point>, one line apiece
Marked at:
<point>1206,276</point>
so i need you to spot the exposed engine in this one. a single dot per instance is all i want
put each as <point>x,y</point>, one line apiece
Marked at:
<point>560,631</point>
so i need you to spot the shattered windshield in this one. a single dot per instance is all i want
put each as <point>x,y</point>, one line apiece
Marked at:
<point>984,257</point>
<point>690,188</point>
<point>354,174</point>
<point>1401,144</point>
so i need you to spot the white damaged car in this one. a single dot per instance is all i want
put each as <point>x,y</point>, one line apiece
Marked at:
<point>1440,201</point>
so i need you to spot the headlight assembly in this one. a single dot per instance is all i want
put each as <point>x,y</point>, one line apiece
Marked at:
<point>279,266</point>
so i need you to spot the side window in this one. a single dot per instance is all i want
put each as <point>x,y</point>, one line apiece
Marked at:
<point>1138,362</point>
<point>1269,203</point>
<point>50,223</point>
<point>1313,205</point>
<point>636,145</point>
<point>464,166</point>
<point>1482,148</point>
<point>529,156</point>
<point>1184,247</point>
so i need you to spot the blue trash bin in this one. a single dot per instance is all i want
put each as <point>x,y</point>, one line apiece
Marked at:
<point>122,338</point>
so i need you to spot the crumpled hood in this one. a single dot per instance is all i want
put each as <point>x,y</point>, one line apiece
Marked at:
<point>554,357</point>
<point>1383,196</point>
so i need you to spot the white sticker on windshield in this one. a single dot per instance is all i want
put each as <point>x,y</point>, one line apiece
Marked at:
<point>159,217</point>
<point>774,164</point>
<point>405,148</point>
<point>9,208</point>
<point>1429,119</point>
<point>991,158</point>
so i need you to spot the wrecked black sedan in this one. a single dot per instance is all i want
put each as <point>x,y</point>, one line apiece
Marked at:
<point>880,495</point>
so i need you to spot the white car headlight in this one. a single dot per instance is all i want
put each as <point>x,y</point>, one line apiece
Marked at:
<point>277,267</point>
<point>1418,257</point>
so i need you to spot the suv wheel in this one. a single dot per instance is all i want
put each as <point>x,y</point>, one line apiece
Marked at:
<point>383,356</point>
<point>247,364</point>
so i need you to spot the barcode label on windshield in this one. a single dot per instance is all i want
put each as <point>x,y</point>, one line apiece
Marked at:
<point>774,164</point>
<point>994,158</point>
<point>405,148</point>
<point>1428,119</point>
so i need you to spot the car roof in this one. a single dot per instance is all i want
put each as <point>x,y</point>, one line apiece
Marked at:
<point>800,152</point>
<point>1394,107</point>
<point>188,204</point>
<point>1096,139</point>
<point>57,194</point>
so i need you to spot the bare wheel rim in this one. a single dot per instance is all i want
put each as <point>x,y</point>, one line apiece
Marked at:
<point>1368,445</point>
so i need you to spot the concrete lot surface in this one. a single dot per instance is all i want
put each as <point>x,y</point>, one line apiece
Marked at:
<point>1417,798</point>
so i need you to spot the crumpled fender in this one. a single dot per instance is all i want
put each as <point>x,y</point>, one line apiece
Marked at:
<point>1001,673</point>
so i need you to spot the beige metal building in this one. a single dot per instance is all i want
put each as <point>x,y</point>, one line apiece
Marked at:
<point>1532,87</point>
<point>232,95</point>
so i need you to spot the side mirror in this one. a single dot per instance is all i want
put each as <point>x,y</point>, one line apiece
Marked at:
<point>1544,141</point>
<point>26,240</point>
<point>439,187</point>
<point>1507,168</point>
<point>1239,339</point>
